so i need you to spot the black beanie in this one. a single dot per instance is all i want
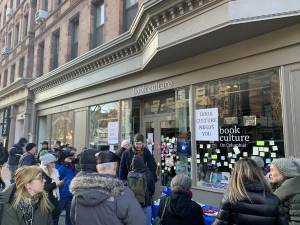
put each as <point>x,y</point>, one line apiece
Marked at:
<point>106,157</point>
<point>138,138</point>
<point>87,160</point>
<point>30,146</point>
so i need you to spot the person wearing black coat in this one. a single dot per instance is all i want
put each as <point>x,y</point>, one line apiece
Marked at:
<point>180,209</point>
<point>249,199</point>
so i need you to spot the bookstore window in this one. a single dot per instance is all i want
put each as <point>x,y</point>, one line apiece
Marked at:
<point>236,117</point>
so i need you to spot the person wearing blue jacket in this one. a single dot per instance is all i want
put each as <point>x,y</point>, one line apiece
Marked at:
<point>66,174</point>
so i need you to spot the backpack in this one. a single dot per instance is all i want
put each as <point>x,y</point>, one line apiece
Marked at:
<point>137,182</point>
<point>3,155</point>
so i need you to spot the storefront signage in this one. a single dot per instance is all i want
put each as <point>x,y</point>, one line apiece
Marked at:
<point>207,128</point>
<point>153,87</point>
<point>233,136</point>
<point>5,122</point>
<point>113,132</point>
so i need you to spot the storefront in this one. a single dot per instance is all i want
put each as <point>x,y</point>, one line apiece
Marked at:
<point>199,113</point>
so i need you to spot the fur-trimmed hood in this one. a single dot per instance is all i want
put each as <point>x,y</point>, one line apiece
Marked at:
<point>94,188</point>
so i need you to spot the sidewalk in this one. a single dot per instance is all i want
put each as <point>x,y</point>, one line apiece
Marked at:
<point>6,178</point>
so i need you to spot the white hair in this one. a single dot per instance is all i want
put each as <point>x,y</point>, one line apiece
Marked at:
<point>125,142</point>
<point>181,182</point>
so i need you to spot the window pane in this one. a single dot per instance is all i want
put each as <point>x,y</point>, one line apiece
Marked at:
<point>62,127</point>
<point>21,67</point>
<point>247,122</point>
<point>130,3</point>
<point>129,16</point>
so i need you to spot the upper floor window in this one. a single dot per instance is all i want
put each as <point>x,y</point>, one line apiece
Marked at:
<point>12,73</point>
<point>0,19</point>
<point>18,2</point>
<point>45,5</point>
<point>0,80</point>
<point>99,23</point>
<point>9,40</point>
<point>55,49</point>
<point>74,37</point>
<point>25,25</point>
<point>21,67</point>
<point>11,4</point>
<point>4,13</point>
<point>5,78</point>
<point>40,59</point>
<point>130,10</point>
<point>17,31</point>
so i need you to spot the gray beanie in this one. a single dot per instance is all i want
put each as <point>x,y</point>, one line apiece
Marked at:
<point>287,167</point>
<point>47,158</point>
<point>258,160</point>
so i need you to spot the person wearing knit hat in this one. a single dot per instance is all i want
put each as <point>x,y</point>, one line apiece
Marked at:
<point>139,149</point>
<point>285,174</point>
<point>87,160</point>
<point>52,183</point>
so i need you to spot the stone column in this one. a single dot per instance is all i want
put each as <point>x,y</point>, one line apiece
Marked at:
<point>12,126</point>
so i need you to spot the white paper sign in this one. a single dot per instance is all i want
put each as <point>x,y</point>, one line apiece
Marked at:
<point>113,132</point>
<point>207,126</point>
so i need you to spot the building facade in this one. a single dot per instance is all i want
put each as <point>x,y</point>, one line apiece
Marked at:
<point>206,81</point>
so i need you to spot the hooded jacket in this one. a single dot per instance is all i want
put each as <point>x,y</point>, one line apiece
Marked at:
<point>289,193</point>
<point>103,200</point>
<point>181,210</point>
<point>15,153</point>
<point>261,210</point>
<point>13,216</point>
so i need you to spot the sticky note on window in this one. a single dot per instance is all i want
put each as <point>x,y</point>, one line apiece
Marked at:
<point>222,157</point>
<point>232,160</point>
<point>218,151</point>
<point>214,156</point>
<point>261,149</point>
<point>260,143</point>
<point>234,156</point>
<point>225,163</point>
<point>229,154</point>
<point>219,164</point>
<point>275,148</point>
<point>245,154</point>
<point>206,155</point>
<point>198,161</point>
<point>268,161</point>
<point>271,143</point>
<point>266,149</point>
<point>189,159</point>
<point>230,165</point>
<point>205,160</point>
<point>198,156</point>
<point>213,162</point>
<point>201,146</point>
<point>273,155</point>
<point>208,145</point>
<point>262,154</point>
<point>236,150</point>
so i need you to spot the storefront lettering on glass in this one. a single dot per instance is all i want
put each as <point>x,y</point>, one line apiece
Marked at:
<point>231,136</point>
<point>154,87</point>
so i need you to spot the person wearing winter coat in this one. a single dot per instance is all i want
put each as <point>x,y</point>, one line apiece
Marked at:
<point>285,174</point>
<point>249,199</point>
<point>3,160</point>
<point>100,197</point>
<point>179,207</point>
<point>25,202</point>
<point>66,172</point>
<point>28,158</point>
<point>15,153</point>
<point>52,183</point>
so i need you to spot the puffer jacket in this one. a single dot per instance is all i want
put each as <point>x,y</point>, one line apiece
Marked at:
<point>289,194</point>
<point>13,216</point>
<point>103,200</point>
<point>261,210</point>
<point>15,153</point>
<point>180,210</point>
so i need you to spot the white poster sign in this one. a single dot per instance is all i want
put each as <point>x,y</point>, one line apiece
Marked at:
<point>113,132</point>
<point>207,124</point>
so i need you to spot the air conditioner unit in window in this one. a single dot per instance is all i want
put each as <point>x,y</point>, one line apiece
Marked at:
<point>9,12</point>
<point>5,51</point>
<point>41,16</point>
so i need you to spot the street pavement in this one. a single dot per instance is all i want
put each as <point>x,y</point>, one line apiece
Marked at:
<point>6,178</point>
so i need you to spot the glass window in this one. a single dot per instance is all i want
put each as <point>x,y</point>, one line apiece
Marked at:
<point>236,117</point>
<point>99,23</point>
<point>74,37</point>
<point>5,78</point>
<point>25,25</point>
<point>55,49</point>
<point>62,127</point>
<point>126,120</point>
<point>12,73</point>
<point>159,104</point>
<point>9,45</point>
<point>130,10</point>
<point>21,67</point>
<point>17,29</point>
<point>40,64</point>
<point>104,125</point>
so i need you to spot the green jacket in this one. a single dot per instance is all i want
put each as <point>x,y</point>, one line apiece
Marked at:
<point>289,194</point>
<point>12,216</point>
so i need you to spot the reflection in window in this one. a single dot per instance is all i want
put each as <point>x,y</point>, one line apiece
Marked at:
<point>249,123</point>
<point>62,127</point>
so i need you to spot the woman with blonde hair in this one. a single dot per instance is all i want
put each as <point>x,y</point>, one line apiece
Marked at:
<point>25,202</point>
<point>249,199</point>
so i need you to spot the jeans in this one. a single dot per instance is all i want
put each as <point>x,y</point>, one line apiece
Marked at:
<point>148,213</point>
<point>12,169</point>
<point>65,204</point>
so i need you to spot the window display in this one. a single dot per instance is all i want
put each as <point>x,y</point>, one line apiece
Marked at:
<point>62,127</point>
<point>236,117</point>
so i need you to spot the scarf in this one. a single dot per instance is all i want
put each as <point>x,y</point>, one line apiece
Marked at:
<point>27,208</point>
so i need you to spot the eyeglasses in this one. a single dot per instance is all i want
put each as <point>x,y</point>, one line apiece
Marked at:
<point>39,177</point>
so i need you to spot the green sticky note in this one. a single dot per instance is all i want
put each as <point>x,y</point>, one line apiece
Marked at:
<point>260,143</point>
<point>214,156</point>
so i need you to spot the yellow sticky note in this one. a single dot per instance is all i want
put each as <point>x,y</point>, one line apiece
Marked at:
<point>260,143</point>
<point>214,156</point>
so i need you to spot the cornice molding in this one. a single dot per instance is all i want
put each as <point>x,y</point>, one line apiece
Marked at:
<point>17,85</point>
<point>126,45</point>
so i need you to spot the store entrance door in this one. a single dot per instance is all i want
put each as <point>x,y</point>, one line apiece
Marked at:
<point>160,132</point>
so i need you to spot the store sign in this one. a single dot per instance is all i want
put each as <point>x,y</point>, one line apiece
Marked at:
<point>113,132</point>
<point>207,128</point>
<point>5,122</point>
<point>153,87</point>
<point>233,136</point>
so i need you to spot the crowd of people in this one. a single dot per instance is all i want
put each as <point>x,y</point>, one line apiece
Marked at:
<point>117,187</point>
